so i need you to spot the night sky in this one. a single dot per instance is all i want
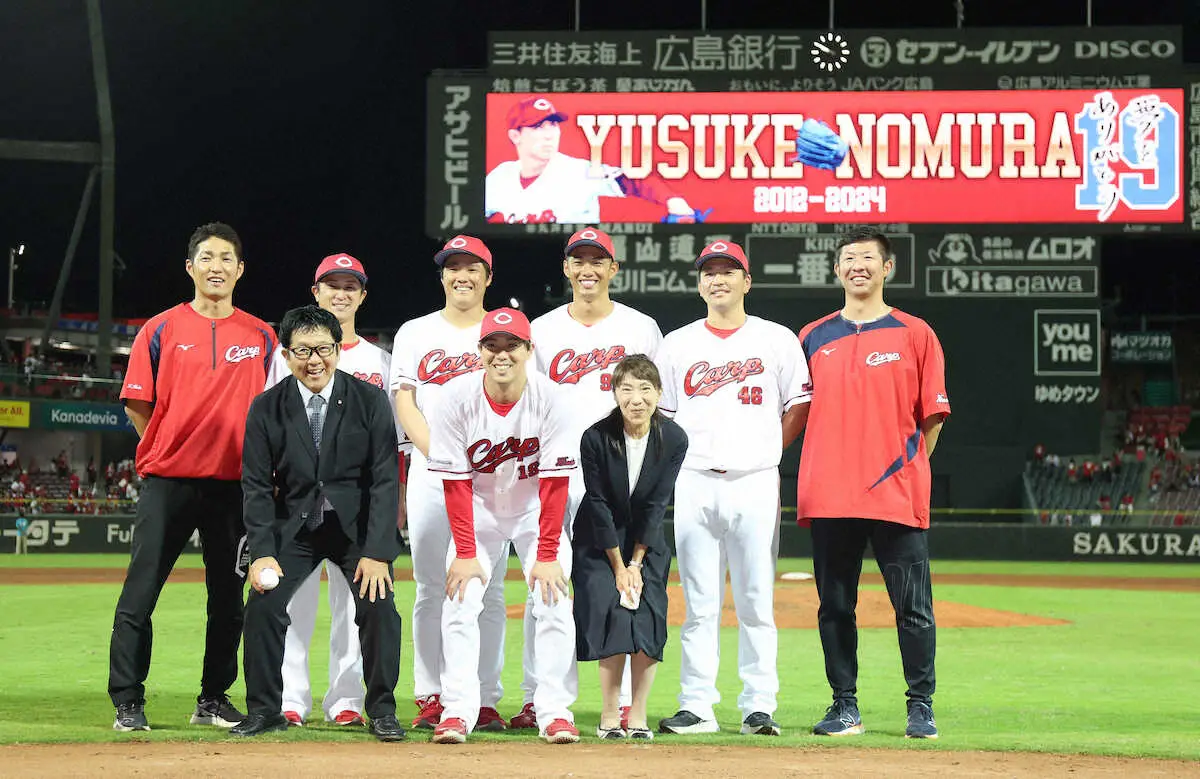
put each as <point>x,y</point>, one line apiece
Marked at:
<point>301,123</point>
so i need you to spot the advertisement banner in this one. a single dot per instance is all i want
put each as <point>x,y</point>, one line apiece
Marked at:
<point>797,259</point>
<point>1041,51</point>
<point>1066,342</point>
<point>453,189</point>
<point>83,416</point>
<point>1036,157</point>
<point>1142,348</point>
<point>78,534</point>
<point>14,413</point>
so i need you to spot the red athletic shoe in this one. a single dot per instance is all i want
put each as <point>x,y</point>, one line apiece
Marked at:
<point>526,720</point>
<point>430,714</point>
<point>349,717</point>
<point>452,731</point>
<point>624,718</point>
<point>561,732</point>
<point>490,720</point>
<point>294,719</point>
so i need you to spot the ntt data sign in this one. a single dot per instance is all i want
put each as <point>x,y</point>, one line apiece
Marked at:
<point>83,416</point>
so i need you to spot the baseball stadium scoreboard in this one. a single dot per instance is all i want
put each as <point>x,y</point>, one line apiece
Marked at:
<point>998,160</point>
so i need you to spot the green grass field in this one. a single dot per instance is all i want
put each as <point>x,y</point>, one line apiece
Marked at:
<point>1120,679</point>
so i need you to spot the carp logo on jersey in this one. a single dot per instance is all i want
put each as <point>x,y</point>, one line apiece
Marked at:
<point>374,379</point>
<point>438,368</point>
<point>704,379</point>
<point>485,456</point>
<point>567,367</point>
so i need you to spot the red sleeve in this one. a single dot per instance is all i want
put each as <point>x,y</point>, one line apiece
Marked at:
<point>553,493</point>
<point>139,374</point>
<point>653,188</point>
<point>934,399</point>
<point>459,493</point>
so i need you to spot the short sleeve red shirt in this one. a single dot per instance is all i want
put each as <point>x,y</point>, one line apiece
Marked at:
<point>873,386</point>
<point>201,375</point>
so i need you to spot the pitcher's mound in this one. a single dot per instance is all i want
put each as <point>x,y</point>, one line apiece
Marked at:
<point>796,607</point>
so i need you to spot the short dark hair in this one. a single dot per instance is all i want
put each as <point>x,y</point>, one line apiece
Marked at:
<point>307,319</point>
<point>214,230</point>
<point>860,234</point>
<point>637,366</point>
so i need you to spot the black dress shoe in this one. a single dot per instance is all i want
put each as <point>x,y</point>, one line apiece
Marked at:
<point>257,724</point>
<point>387,728</point>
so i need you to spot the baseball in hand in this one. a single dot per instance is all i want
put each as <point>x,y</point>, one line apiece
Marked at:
<point>268,579</point>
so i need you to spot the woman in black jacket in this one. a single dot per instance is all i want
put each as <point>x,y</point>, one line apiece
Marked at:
<point>630,460</point>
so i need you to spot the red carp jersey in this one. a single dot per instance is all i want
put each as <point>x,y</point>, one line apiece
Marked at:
<point>874,384</point>
<point>201,375</point>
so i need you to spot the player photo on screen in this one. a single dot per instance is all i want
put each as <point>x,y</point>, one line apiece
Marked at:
<point>1016,156</point>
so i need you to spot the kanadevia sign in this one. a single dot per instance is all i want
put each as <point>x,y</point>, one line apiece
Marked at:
<point>83,416</point>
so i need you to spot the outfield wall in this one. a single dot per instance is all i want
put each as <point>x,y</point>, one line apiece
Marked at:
<point>947,541</point>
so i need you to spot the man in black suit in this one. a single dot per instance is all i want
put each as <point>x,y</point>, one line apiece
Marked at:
<point>319,476</point>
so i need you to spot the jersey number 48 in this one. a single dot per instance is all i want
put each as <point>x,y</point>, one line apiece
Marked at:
<point>750,396</point>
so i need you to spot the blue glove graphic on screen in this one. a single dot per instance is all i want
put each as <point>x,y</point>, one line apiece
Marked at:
<point>819,146</point>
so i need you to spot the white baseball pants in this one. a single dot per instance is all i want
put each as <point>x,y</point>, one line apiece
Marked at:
<point>731,518</point>
<point>345,656</point>
<point>528,656</point>
<point>429,539</point>
<point>553,667</point>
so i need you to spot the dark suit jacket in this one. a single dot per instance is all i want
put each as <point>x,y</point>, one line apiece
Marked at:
<point>357,468</point>
<point>607,505</point>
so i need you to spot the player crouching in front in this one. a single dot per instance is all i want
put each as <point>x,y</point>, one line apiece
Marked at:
<point>504,452</point>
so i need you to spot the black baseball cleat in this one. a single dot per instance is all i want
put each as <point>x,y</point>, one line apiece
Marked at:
<point>216,711</point>
<point>257,724</point>
<point>760,724</point>
<point>920,721</point>
<point>131,716</point>
<point>685,722</point>
<point>387,728</point>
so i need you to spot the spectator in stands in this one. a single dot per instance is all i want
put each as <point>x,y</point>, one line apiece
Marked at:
<point>91,470</point>
<point>1130,438</point>
<point>1141,453</point>
<point>111,471</point>
<point>1106,471</point>
<point>1039,455</point>
<point>1053,461</point>
<point>1089,470</point>
<point>1072,471</point>
<point>1126,506</point>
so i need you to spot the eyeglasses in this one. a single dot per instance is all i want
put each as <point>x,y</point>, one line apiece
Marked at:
<point>304,352</point>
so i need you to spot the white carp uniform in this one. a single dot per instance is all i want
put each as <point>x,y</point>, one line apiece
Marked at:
<point>580,359</point>
<point>567,190</point>
<point>430,355</point>
<point>729,394</point>
<point>367,362</point>
<point>503,457</point>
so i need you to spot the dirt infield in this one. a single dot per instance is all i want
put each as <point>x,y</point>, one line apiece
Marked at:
<point>796,607</point>
<point>656,761</point>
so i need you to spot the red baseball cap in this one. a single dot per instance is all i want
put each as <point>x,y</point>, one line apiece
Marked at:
<point>726,249</point>
<point>590,236</point>
<point>531,112</point>
<point>464,244</point>
<point>341,263</point>
<point>505,320</point>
